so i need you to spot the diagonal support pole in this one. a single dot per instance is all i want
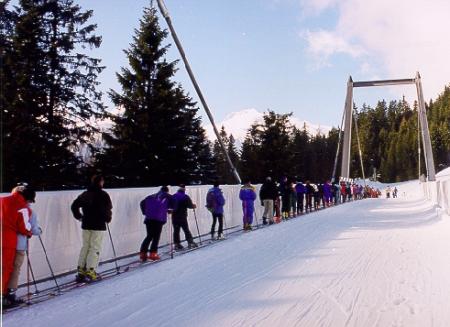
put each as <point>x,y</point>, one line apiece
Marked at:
<point>165,13</point>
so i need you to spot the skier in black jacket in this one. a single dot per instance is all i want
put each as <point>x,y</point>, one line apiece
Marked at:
<point>268,194</point>
<point>309,195</point>
<point>180,203</point>
<point>285,191</point>
<point>96,208</point>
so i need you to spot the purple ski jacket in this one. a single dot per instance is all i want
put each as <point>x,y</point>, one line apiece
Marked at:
<point>248,197</point>
<point>156,206</point>
<point>218,200</point>
<point>327,191</point>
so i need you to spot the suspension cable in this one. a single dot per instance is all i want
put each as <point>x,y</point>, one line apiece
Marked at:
<point>165,14</point>
<point>333,176</point>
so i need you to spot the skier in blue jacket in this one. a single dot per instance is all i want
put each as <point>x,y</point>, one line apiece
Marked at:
<point>248,197</point>
<point>155,208</point>
<point>214,203</point>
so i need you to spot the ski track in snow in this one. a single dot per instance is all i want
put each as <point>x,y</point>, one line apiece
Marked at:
<point>377,262</point>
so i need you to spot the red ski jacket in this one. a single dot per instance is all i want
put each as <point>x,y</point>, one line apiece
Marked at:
<point>14,218</point>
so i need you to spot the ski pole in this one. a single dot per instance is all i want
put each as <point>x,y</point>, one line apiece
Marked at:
<point>48,262</point>
<point>28,276</point>
<point>170,234</point>
<point>224,225</point>
<point>32,274</point>
<point>198,230</point>
<point>113,248</point>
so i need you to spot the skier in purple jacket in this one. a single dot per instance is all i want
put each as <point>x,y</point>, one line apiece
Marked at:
<point>248,197</point>
<point>214,203</point>
<point>155,208</point>
<point>327,193</point>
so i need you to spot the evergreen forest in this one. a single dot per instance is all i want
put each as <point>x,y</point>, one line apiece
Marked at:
<point>51,107</point>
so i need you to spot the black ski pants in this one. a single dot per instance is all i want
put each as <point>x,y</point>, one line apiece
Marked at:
<point>217,217</point>
<point>183,224</point>
<point>300,197</point>
<point>309,201</point>
<point>154,228</point>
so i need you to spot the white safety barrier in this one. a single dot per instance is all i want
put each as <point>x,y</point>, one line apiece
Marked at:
<point>62,233</point>
<point>439,192</point>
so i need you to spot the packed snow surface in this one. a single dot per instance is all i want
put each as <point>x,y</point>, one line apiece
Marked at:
<point>376,262</point>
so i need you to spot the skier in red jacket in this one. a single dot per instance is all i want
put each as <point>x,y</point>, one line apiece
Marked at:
<point>14,219</point>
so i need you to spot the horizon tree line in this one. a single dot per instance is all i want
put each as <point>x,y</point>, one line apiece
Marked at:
<point>51,102</point>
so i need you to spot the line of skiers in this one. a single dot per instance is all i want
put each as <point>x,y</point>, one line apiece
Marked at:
<point>297,197</point>
<point>94,209</point>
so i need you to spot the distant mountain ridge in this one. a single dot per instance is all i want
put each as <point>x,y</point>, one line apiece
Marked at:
<point>238,122</point>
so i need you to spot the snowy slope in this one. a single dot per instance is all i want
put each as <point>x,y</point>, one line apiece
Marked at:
<point>377,262</point>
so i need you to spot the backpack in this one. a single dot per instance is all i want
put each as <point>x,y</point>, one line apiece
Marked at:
<point>210,201</point>
<point>153,204</point>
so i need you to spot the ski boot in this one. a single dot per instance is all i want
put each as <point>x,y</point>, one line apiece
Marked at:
<point>220,237</point>
<point>6,303</point>
<point>92,276</point>
<point>264,221</point>
<point>212,235</point>
<point>178,247</point>
<point>81,275</point>
<point>192,245</point>
<point>11,297</point>
<point>271,222</point>
<point>154,256</point>
<point>143,256</point>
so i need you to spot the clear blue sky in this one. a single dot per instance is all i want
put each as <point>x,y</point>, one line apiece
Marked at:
<point>247,54</point>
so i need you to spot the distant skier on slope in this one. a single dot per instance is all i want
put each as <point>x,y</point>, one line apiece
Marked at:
<point>248,197</point>
<point>180,203</point>
<point>388,192</point>
<point>96,208</point>
<point>214,203</point>
<point>155,208</point>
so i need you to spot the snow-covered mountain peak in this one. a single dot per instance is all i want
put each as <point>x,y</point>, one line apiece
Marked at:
<point>238,122</point>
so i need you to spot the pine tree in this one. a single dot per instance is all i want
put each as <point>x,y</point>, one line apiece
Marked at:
<point>49,96</point>
<point>250,163</point>
<point>301,154</point>
<point>220,161</point>
<point>439,122</point>
<point>157,138</point>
